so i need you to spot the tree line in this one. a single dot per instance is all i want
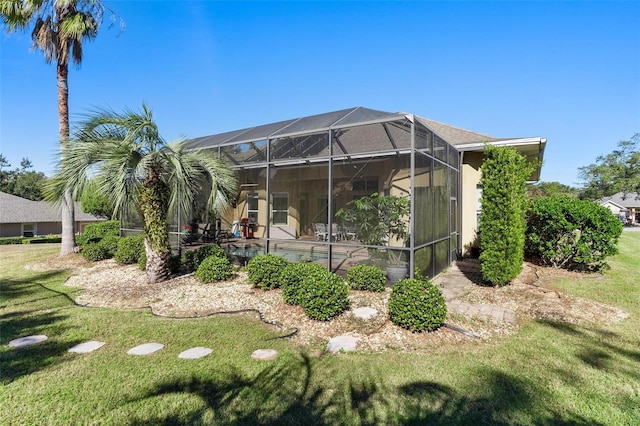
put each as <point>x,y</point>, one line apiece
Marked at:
<point>21,181</point>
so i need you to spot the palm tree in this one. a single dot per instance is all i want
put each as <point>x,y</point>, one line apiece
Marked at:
<point>58,29</point>
<point>133,165</point>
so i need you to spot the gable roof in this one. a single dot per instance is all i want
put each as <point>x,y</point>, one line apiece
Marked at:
<point>628,200</point>
<point>14,209</point>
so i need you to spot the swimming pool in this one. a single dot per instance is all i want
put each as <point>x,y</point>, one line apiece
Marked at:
<point>291,254</point>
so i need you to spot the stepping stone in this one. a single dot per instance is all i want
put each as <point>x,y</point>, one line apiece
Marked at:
<point>264,354</point>
<point>195,353</point>
<point>365,313</point>
<point>345,343</point>
<point>86,347</point>
<point>145,349</point>
<point>29,340</point>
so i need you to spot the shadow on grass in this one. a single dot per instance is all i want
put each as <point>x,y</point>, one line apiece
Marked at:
<point>31,308</point>
<point>596,348</point>
<point>19,292</point>
<point>292,394</point>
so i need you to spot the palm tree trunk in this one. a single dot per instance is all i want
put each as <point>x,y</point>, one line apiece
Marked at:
<point>154,204</point>
<point>67,208</point>
<point>157,264</point>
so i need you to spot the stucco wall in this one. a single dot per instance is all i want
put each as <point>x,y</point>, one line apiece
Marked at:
<point>471,174</point>
<point>10,230</point>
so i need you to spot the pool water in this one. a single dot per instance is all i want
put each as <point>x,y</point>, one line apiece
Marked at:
<point>292,255</point>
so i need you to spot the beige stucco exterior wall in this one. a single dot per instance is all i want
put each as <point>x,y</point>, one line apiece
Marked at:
<point>42,228</point>
<point>470,178</point>
<point>11,230</point>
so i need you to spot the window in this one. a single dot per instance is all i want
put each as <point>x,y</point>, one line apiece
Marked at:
<point>252,207</point>
<point>368,185</point>
<point>280,208</point>
<point>28,229</point>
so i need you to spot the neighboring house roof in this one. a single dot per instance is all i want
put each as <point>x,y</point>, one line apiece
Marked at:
<point>614,204</point>
<point>628,200</point>
<point>15,209</point>
<point>463,140</point>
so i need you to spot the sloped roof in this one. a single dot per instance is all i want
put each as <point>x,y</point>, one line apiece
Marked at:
<point>349,122</point>
<point>309,124</point>
<point>15,209</point>
<point>335,119</point>
<point>628,200</point>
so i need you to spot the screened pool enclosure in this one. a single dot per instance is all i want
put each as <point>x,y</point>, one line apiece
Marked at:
<point>298,177</point>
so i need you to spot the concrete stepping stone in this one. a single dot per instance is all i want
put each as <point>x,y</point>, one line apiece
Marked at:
<point>145,349</point>
<point>195,353</point>
<point>344,343</point>
<point>365,313</point>
<point>28,340</point>
<point>86,347</point>
<point>264,354</point>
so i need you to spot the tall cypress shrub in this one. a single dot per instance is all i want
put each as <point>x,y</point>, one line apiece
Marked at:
<point>502,222</point>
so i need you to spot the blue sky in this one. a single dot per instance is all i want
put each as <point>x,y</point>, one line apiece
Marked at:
<point>567,71</point>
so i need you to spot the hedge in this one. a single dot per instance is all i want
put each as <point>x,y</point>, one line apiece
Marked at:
<point>29,240</point>
<point>502,221</point>
<point>573,234</point>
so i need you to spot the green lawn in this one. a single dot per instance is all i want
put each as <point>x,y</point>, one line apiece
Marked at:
<point>549,373</point>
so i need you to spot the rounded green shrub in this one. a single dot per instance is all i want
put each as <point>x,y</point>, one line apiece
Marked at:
<point>192,259</point>
<point>264,270</point>
<point>291,280</point>
<point>323,294</point>
<point>95,232</point>
<point>366,277</point>
<point>174,264</point>
<point>142,261</point>
<point>417,305</point>
<point>213,269</point>
<point>186,258</point>
<point>574,234</point>
<point>110,244</point>
<point>94,252</point>
<point>129,249</point>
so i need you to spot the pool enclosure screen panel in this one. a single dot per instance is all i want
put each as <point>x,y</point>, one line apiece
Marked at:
<point>423,200</point>
<point>295,176</point>
<point>355,179</point>
<point>298,199</point>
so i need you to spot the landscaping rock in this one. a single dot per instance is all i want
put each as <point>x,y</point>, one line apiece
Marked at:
<point>365,313</point>
<point>195,353</point>
<point>264,354</point>
<point>28,340</point>
<point>344,343</point>
<point>145,349</point>
<point>86,347</point>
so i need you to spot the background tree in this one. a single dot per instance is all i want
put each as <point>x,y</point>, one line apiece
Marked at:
<point>502,222</point>
<point>58,29</point>
<point>95,202</point>
<point>550,189</point>
<point>5,173</point>
<point>22,181</point>
<point>618,171</point>
<point>134,165</point>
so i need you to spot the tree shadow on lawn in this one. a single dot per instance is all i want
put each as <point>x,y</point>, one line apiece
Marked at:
<point>597,350</point>
<point>31,310</point>
<point>285,393</point>
<point>12,292</point>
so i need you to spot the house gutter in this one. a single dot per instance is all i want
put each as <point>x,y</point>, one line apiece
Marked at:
<point>479,146</point>
<point>521,142</point>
